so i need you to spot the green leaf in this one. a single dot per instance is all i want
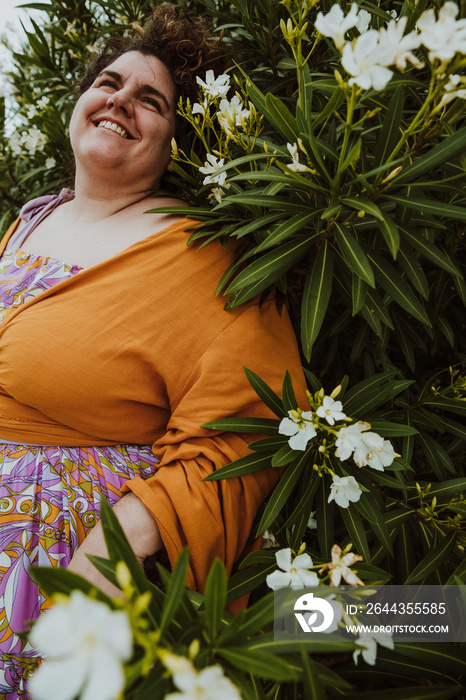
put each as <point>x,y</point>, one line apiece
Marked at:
<point>429,250</point>
<point>431,206</point>
<point>51,581</point>
<point>351,156</point>
<point>458,406</point>
<point>367,508</point>
<point>361,204</point>
<point>353,254</point>
<point>355,527</point>
<point>416,692</point>
<point>281,117</point>
<point>264,392</point>
<point>316,295</point>
<point>261,426</point>
<point>281,493</point>
<point>271,266</point>
<point>267,642</point>
<point>390,233</point>
<point>452,487</point>
<point>287,228</point>
<point>437,457</point>
<point>215,596</point>
<point>433,560</point>
<point>449,148</point>
<point>245,581</point>
<point>325,518</point>
<point>175,590</point>
<point>255,618</point>
<point>389,135</point>
<point>285,455</point>
<point>259,663</point>
<point>409,263</point>
<point>332,105</point>
<point>288,395</point>
<point>358,293</point>
<point>240,467</point>
<point>389,429</point>
<point>312,685</point>
<point>393,283</point>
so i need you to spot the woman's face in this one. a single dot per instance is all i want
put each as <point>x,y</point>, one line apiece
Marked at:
<point>125,121</point>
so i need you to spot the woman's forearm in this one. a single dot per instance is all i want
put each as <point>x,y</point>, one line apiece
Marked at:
<point>141,530</point>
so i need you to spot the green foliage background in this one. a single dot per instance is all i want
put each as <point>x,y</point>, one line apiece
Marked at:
<point>371,269</point>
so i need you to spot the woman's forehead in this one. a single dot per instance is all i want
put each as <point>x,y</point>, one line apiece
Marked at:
<point>144,70</point>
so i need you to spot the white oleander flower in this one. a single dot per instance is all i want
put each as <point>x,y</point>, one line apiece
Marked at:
<point>364,20</point>
<point>232,113</point>
<point>209,683</point>
<point>217,194</point>
<point>334,24</point>
<point>292,572</point>
<point>199,108</point>
<point>214,86</point>
<point>209,169</point>
<point>338,567</point>
<point>15,143</point>
<point>34,140</point>
<point>299,427</point>
<point>392,39</point>
<point>343,490</point>
<point>86,643</point>
<point>50,163</point>
<point>312,522</point>
<point>374,452</point>
<point>367,646</point>
<point>331,410</point>
<point>31,112</point>
<point>349,439</point>
<point>445,36</point>
<point>454,89</point>
<point>43,102</point>
<point>366,61</point>
<point>295,165</point>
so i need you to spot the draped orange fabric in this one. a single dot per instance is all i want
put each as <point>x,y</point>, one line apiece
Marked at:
<point>137,349</point>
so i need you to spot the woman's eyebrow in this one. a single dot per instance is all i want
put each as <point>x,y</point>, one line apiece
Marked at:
<point>145,88</point>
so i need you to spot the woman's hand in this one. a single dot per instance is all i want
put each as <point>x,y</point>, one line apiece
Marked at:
<point>139,527</point>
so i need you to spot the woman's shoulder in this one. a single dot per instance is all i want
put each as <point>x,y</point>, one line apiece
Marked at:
<point>37,205</point>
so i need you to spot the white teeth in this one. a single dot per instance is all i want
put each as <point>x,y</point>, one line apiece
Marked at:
<point>113,127</point>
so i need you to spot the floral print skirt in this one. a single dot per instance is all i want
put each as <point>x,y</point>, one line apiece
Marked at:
<point>49,500</point>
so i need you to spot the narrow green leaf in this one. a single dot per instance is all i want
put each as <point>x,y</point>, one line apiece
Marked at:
<point>355,528</point>
<point>358,293</point>
<point>390,132</point>
<point>361,204</point>
<point>281,493</point>
<point>458,406</point>
<point>452,487</point>
<point>313,687</point>
<point>282,117</point>
<point>437,457</point>
<point>240,467</point>
<point>175,590</point>
<point>389,429</point>
<point>316,295</point>
<point>259,663</point>
<point>289,227</point>
<point>356,397</point>
<point>264,392</point>
<point>352,155</point>
<point>215,596</point>
<point>288,395</point>
<point>390,233</point>
<point>449,148</point>
<point>393,283</point>
<point>433,560</point>
<point>325,518</point>
<point>353,254</point>
<point>416,692</point>
<point>367,508</point>
<point>431,206</point>
<point>429,250</point>
<point>261,426</point>
<point>271,266</point>
<point>409,263</point>
<point>285,455</point>
<point>245,581</point>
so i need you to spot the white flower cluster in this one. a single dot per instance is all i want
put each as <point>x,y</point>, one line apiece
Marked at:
<point>230,114</point>
<point>85,643</point>
<point>209,683</point>
<point>32,140</point>
<point>368,58</point>
<point>352,441</point>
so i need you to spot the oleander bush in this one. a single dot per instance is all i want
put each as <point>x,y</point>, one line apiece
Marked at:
<point>334,149</point>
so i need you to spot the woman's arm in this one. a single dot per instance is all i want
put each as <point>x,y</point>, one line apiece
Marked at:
<point>141,530</point>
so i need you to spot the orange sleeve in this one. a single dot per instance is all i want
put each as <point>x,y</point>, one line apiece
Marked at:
<point>214,518</point>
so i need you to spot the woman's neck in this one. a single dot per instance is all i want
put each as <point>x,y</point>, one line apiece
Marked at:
<point>95,201</point>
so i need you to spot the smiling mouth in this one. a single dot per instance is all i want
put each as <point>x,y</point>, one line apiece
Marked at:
<point>116,128</point>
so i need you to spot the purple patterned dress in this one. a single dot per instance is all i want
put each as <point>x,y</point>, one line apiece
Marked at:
<point>49,496</point>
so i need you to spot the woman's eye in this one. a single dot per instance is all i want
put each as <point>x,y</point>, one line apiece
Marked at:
<point>153,103</point>
<point>109,83</point>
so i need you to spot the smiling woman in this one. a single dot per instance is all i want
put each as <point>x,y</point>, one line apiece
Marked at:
<point>114,349</point>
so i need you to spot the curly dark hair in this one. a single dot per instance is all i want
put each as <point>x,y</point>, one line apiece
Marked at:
<point>186,47</point>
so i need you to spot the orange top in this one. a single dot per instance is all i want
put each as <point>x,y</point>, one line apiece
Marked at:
<point>146,354</point>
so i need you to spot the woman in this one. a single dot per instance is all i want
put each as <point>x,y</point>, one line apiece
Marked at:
<point>114,350</point>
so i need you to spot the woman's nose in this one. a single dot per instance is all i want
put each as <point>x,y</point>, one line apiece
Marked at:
<point>121,100</point>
